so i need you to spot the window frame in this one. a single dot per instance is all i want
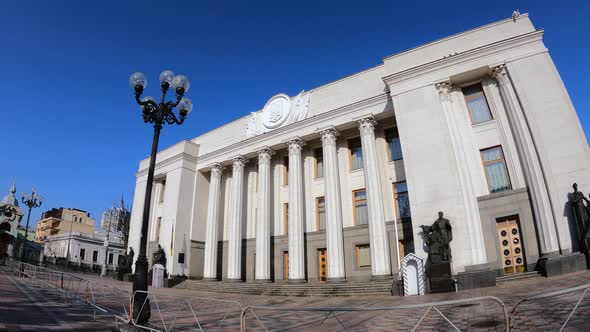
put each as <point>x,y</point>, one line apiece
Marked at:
<point>317,212</point>
<point>82,254</point>
<point>285,162</point>
<point>286,218</point>
<point>395,201</point>
<point>358,250</point>
<point>360,145</point>
<point>315,163</point>
<point>395,131</point>
<point>354,207</point>
<point>95,252</point>
<point>485,163</point>
<point>466,99</point>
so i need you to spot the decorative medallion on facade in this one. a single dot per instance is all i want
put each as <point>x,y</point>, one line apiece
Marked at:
<point>281,110</point>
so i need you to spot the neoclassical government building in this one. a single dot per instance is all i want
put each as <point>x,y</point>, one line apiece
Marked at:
<point>333,184</point>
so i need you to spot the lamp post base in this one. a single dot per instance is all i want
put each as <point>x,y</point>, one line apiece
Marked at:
<point>140,310</point>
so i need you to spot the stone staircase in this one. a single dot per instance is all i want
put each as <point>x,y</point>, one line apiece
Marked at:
<point>295,289</point>
<point>517,277</point>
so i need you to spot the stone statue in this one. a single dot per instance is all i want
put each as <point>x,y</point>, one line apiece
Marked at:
<point>129,261</point>
<point>580,210</point>
<point>438,238</point>
<point>159,257</point>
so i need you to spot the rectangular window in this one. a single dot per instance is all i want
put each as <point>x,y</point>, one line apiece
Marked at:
<point>319,163</point>
<point>162,192</point>
<point>356,153</point>
<point>82,254</point>
<point>393,144</point>
<point>495,169</point>
<point>158,224</point>
<point>477,104</point>
<point>402,200</point>
<point>285,170</point>
<point>320,204</point>
<point>361,212</point>
<point>111,256</point>
<point>286,217</point>
<point>363,255</point>
<point>95,256</point>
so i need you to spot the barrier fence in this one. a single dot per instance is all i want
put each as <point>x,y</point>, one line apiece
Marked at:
<point>489,311</point>
<point>552,311</point>
<point>102,299</point>
<point>171,312</point>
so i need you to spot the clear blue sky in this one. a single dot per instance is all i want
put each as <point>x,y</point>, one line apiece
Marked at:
<point>69,123</point>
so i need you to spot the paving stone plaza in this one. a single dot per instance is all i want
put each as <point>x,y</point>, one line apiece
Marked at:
<point>221,311</point>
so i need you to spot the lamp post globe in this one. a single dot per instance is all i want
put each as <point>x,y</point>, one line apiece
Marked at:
<point>31,200</point>
<point>157,114</point>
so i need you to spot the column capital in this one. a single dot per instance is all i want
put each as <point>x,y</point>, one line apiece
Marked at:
<point>264,154</point>
<point>329,135</point>
<point>216,168</point>
<point>367,124</point>
<point>444,90</point>
<point>500,74</point>
<point>239,161</point>
<point>295,144</point>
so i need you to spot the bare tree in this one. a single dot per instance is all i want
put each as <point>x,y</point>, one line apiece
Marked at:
<point>122,221</point>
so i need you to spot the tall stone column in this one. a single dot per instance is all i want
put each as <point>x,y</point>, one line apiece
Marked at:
<point>334,237</point>
<point>234,252</point>
<point>379,248</point>
<point>263,216</point>
<point>462,149</point>
<point>533,172</point>
<point>296,212</point>
<point>211,236</point>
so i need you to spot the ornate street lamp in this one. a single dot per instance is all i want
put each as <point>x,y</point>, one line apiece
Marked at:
<point>158,114</point>
<point>32,200</point>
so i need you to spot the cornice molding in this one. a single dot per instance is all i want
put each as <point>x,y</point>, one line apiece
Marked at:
<point>463,57</point>
<point>257,142</point>
<point>183,156</point>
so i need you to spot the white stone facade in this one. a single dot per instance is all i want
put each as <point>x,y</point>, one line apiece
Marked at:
<point>214,193</point>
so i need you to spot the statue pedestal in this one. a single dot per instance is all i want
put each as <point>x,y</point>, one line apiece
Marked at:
<point>439,275</point>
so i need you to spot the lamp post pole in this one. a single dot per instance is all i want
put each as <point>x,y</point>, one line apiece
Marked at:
<point>158,114</point>
<point>32,200</point>
<point>110,217</point>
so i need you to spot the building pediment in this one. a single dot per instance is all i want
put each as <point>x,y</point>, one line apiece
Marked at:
<point>280,110</point>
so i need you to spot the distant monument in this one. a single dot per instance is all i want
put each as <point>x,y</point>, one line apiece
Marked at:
<point>438,237</point>
<point>159,258</point>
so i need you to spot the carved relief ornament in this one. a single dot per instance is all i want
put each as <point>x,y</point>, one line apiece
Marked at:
<point>281,110</point>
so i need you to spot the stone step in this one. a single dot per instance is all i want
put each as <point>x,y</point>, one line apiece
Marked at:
<point>376,288</point>
<point>518,276</point>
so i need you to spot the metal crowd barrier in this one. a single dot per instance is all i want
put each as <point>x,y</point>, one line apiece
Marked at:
<point>328,312</point>
<point>529,300</point>
<point>101,298</point>
<point>171,312</point>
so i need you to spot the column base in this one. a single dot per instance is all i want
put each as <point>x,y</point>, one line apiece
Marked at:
<point>263,281</point>
<point>336,280</point>
<point>553,265</point>
<point>381,277</point>
<point>296,281</point>
<point>210,279</point>
<point>233,280</point>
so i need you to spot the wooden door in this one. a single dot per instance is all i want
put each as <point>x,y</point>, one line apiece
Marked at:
<point>323,264</point>
<point>285,265</point>
<point>511,252</point>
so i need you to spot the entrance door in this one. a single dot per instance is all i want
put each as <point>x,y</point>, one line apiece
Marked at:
<point>323,264</point>
<point>285,265</point>
<point>510,245</point>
